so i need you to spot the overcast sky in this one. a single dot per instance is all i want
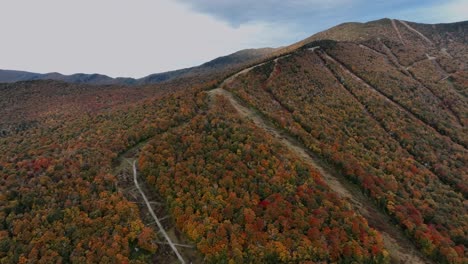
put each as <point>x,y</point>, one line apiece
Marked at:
<point>138,37</point>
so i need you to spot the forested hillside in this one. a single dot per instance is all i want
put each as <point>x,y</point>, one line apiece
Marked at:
<point>347,147</point>
<point>241,197</point>
<point>391,113</point>
<point>59,200</point>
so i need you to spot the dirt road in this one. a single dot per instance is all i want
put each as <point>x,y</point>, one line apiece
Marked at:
<point>153,214</point>
<point>400,248</point>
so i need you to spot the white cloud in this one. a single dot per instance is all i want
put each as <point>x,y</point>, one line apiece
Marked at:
<point>452,11</point>
<point>119,37</point>
<point>140,37</point>
<point>242,11</point>
<point>446,12</point>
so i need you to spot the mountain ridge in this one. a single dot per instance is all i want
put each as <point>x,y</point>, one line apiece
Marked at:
<point>348,147</point>
<point>218,64</point>
<point>348,31</point>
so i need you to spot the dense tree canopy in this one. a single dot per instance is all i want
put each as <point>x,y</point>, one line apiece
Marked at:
<point>387,131</point>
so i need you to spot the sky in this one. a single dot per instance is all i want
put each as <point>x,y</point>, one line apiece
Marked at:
<point>135,38</point>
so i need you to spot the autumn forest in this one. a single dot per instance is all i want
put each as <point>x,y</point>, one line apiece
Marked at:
<point>347,147</point>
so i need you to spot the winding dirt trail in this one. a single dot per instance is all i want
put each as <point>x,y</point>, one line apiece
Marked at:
<point>397,31</point>
<point>404,108</point>
<point>246,70</point>
<point>400,248</point>
<point>416,32</point>
<point>153,214</point>
<point>393,58</point>
<point>283,139</point>
<point>406,71</point>
<point>123,169</point>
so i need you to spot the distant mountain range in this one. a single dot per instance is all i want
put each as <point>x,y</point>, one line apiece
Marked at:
<point>215,66</point>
